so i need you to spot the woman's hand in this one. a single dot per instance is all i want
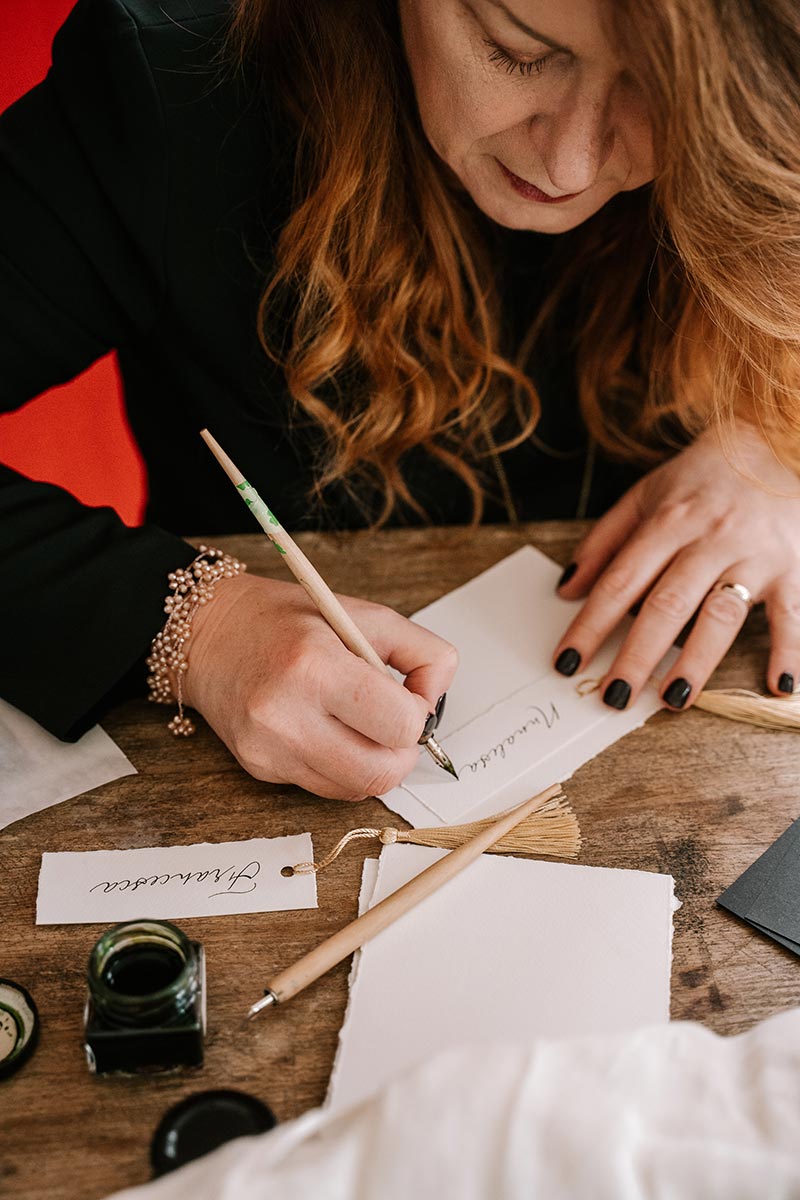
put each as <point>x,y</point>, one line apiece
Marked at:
<point>700,519</point>
<point>295,706</point>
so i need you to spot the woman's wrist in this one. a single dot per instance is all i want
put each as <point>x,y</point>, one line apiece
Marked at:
<point>191,590</point>
<point>206,629</point>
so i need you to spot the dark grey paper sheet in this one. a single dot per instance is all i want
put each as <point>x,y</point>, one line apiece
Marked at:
<point>767,894</point>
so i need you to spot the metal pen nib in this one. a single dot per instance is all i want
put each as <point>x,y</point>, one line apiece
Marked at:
<point>269,998</point>
<point>438,755</point>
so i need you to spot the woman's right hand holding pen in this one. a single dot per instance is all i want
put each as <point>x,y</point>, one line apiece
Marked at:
<point>294,705</point>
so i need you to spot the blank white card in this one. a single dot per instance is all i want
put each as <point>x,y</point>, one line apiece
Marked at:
<point>509,950</point>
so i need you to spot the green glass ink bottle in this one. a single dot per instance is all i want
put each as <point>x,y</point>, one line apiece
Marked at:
<point>145,1008</point>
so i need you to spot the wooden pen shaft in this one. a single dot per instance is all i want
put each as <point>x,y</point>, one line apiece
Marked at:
<point>289,982</point>
<point>303,570</point>
<point>337,617</point>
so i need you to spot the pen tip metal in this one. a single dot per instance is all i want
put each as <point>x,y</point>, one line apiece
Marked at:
<point>266,1001</point>
<point>439,756</point>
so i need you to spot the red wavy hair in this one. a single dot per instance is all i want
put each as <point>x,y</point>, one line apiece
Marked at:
<point>685,297</point>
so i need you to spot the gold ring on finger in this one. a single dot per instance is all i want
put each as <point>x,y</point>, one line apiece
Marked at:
<point>736,589</point>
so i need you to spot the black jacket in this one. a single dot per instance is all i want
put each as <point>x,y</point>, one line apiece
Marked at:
<point>142,185</point>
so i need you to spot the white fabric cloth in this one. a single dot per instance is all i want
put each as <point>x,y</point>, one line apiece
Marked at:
<point>672,1112</point>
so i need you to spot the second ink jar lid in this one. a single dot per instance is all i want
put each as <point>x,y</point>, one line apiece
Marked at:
<point>19,1027</point>
<point>204,1121</point>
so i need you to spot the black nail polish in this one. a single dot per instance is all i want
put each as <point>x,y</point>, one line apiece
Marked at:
<point>617,694</point>
<point>440,707</point>
<point>786,683</point>
<point>677,693</point>
<point>427,728</point>
<point>568,573</point>
<point>568,661</point>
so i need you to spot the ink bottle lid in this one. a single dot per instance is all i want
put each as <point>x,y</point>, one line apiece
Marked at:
<point>145,1008</point>
<point>19,1027</point>
<point>201,1123</point>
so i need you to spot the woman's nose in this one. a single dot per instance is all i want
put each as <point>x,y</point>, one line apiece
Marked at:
<point>574,141</point>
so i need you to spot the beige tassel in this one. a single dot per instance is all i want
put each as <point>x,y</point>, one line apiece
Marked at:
<point>551,829</point>
<point>737,704</point>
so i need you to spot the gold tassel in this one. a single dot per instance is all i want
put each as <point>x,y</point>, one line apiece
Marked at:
<point>551,829</point>
<point>738,704</point>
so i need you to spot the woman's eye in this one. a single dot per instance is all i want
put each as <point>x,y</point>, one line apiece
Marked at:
<point>510,64</point>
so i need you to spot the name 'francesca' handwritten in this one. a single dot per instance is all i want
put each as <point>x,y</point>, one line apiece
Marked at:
<point>241,880</point>
<point>544,718</point>
<point>206,879</point>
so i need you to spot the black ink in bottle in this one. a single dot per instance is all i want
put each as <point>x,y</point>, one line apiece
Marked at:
<point>145,1008</point>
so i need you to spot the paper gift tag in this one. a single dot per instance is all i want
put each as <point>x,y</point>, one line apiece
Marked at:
<point>162,882</point>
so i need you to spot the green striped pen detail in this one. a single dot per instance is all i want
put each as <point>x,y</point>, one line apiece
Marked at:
<point>261,511</point>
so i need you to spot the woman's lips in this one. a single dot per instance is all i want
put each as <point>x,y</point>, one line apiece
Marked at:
<point>529,191</point>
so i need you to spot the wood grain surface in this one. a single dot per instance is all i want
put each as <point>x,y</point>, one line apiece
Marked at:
<point>691,795</point>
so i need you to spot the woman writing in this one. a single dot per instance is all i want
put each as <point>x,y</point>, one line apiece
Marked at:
<point>472,260</point>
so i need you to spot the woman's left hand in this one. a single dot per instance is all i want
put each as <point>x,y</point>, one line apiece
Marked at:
<point>702,519</point>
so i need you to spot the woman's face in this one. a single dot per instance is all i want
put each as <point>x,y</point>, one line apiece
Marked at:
<point>529,104</point>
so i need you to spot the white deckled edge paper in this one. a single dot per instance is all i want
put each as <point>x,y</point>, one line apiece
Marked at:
<point>37,770</point>
<point>369,880</point>
<point>511,948</point>
<point>506,623</point>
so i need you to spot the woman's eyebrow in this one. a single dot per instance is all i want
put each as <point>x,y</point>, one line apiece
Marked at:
<point>515,20</point>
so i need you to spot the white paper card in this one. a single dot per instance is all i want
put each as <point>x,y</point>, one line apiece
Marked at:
<point>205,880</point>
<point>369,877</point>
<point>37,770</point>
<point>509,949</point>
<point>512,725</point>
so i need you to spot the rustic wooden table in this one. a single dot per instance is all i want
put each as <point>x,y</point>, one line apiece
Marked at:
<point>691,795</point>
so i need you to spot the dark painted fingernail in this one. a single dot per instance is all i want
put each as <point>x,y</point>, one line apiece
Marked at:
<point>617,694</point>
<point>568,661</point>
<point>786,683</point>
<point>438,712</point>
<point>568,573</point>
<point>427,728</point>
<point>678,693</point>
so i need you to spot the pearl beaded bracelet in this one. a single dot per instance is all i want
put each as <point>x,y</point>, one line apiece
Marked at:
<point>191,587</point>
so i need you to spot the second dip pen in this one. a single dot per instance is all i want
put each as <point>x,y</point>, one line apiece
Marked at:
<point>316,587</point>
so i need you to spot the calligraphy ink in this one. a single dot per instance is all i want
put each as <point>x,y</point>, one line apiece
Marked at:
<point>145,1008</point>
